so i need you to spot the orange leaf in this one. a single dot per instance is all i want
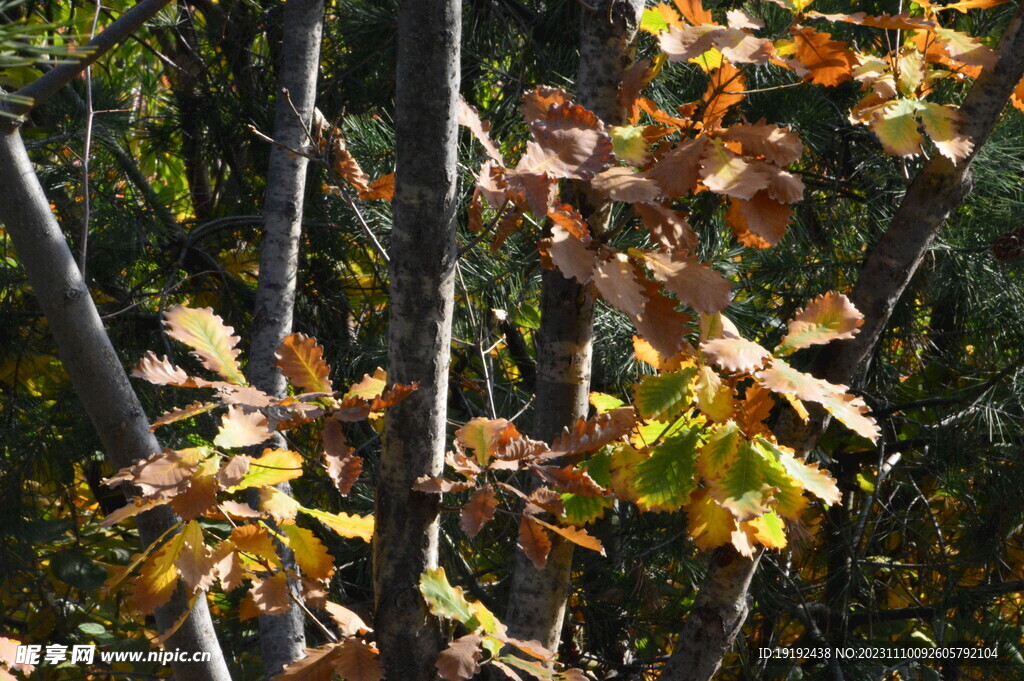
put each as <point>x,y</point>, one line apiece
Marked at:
<point>381,189</point>
<point>270,596</point>
<point>829,62</point>
<point>301,360</point>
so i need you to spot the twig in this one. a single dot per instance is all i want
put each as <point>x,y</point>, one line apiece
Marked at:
<point>83,246</point>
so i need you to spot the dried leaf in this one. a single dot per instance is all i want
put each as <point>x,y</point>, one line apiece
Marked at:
<point>828,317</point>
<point>677,172</point>
<point>568,142</point>
<point>735,354</point>
<point>349,623</point>
<point>618,281</point>
<point>534,541</point>
<point>240,429</point>
<point>572,257</point>
<point>696,284</point>
<point>478,511</point>
<point>575,535</point>
<point>828,62</point>
<point>726,172</point>
<point>461,659</point>
<point>667,227</point>
<point>270,596</point>
<point>623,184</point>
<point>469,117</point>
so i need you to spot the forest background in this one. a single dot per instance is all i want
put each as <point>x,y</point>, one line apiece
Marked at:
<point>490,308</point>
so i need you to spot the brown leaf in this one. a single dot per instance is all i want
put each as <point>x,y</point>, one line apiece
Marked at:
<point>618,281</point>
<point>676,173</point>
<point>255,540</point>
<point>461,659</point>
<point>622,184</point>
<point>570,479</point>
<point>349,623</point>
<point>570,255</point>
<point>695,283</point>
<point>469,117</point>
<point>429,484</point>
<point>358,661</point>
<point>667,227</point>
<point>160,371</point>
<point>760,222</point>
<point>161,475</point>
<point>681,44</point>
<point>723,171</point>
<point>195,561</point>
<point>735,354</point>
<point>241,429</point>
<point>577,536</point>
<point>246,395</point>
<point>538,101</point>
<point>661,324</point>
<point>569,142</point>
<point>342,467</point>
<point>592,434</point>
<point>232,472</point>
<point>236,509</point>
<point>319,664</point>
<point>568,217</point>
<point>347,167</point>
<point>186,412</point>
<point>227,566</point>
<point>777,145</point>
<point>301,360</point>
<point>534,541</point>
<point>724,88</point>
<point>199,493</point>
<point>478,511</point>
<point>270,596</point>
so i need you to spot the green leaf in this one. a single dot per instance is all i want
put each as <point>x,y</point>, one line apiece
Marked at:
<point>443,599</point>
<point>665,395</point>
<point>743,488</point>
<point>653,21</point>
<point>580,510</point>
<point>719,451</point>
<point>813,479</point>
<point>664,481</point>
<point>92,628</point>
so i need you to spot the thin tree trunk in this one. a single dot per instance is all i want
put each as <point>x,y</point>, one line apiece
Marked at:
<point>536,606</point>
<point>422,270</point>
<point>96,374</point>
<point>937,189</point>
<point>282,637</point>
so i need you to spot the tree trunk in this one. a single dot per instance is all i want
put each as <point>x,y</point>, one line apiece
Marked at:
<point>536,604</point>
<point>422,270</point>
<point>937,189</point>
<point>282,637</point>
<point>96,374</point>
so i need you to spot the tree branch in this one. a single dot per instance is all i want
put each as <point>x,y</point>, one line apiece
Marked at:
<point>53,80</point>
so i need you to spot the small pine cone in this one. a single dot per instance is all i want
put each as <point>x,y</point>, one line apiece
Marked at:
<point>1008,246</point>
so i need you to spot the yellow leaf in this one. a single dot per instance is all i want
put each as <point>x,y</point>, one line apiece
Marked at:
<point>709,524</point>
<point>158,577</point>
<point>310,553</point>
<point>279,505</point>
<point>273,467</point>
<point>209,337</point>
<point>350,526</point>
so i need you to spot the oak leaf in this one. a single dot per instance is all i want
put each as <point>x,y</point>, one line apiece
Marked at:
<point>571,255</point>
<point>381,189</point>
<point>359,661</point>
<point>158,576</point>
<point>537,102</point>
<point>239,428</point>
<point>469,117</point>
<point>342,466</point>
<point>760,222</point>
<point>828,317</point>
<point>345,525</point>
<point>723,171</point>
<point>301,360</point>
<point>709,525</point>
<point>735,354</point>
<point>577,536</point>
<point>677,172</point>
<point>478,511</point>
<point>270,595</point>
<point>272,467</point>
<point>618,281</point>
<point>622,184</point>
<point>349,623</point>
<point>568,142</point>
<point>185,412</point>
<point>695,283</point>
<point>195,560</point>
<point>461,659</point>
<point>310,553</point>
<point>668,227</point>
<point>199,493</point>
<point>829,62</point>
<point>534,541</point>
<point>594,433</point>
<point>209,338</point>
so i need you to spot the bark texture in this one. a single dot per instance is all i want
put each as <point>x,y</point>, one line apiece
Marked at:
<point>282,637</point>
<point>96,372</point>
<point>536,606</point>
<point>422,271</point>
<point>937,189</point>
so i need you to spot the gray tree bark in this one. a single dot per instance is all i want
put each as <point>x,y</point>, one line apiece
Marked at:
<point>422,270</point>
<point>937,189</point>
<point>96,373</point>
<point>282,637</point>
<point>536,607</point>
